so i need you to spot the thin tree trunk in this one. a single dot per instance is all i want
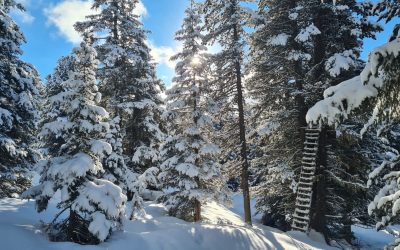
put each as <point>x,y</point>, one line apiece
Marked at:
<point>242,135</point>
<point>195,96</point>
<point>197,210</point>
<point>318,218</point>
<point>70,230</point>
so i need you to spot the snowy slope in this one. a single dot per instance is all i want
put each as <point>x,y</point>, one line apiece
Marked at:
<point>222,229</point>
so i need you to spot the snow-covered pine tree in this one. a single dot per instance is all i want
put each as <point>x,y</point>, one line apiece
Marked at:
<point>61,73</point>
<point>298,48</point>
<point>75,133</point>
<point>20,89</point>
<point>336,57</point>
<point>376,89</point>
<point>191,169</point>
<point>276,83</point>
<point>115,168</point>
<point>224,24</point>
<point>384,64</point>
<point>128,82</point>
<point>133,184</point>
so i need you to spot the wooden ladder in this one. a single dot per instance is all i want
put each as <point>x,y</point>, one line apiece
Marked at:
<point>301,215</point>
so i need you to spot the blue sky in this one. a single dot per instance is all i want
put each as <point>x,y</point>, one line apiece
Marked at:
<point>47,26</point>
<point>47,38</point>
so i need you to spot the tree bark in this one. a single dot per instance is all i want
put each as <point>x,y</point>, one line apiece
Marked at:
<point>195,96</point>
<point>197,210</point>
<point>318,220</point>
<point>242,135</point>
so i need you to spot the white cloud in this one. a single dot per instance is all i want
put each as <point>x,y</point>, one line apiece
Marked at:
<point>66,13</point>
<point>140,10</point>
<point>24,17</point>
<point>161,55</point>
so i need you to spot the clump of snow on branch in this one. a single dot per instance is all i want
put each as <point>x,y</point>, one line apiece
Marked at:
<point>341,61</point>
<point>307,33</point>
<point>280,39</point>
<point>340,100</point>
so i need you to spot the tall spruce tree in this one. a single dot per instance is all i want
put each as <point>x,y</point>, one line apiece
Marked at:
<point>191,166</point>
<point>115,168</point>
<point>224,23</point>
<point>132,183</point>
<point>74,131</point>
<point>374,92</point>
<point>335,58</point>
<point>385,64</point>
<point>277,70</point>
<point>299,48</point>
<point>19,106</point>
<point>130,88</point>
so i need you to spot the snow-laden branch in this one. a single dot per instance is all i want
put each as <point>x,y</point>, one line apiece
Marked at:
<point>340,100</point>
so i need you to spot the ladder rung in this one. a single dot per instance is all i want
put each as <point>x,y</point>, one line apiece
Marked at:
<point>301,229</point>
<point>304,189</point>
<point>305,211</point>
<point>305,183</point>
<point>308,174</point>
<point>311,149</point>
<point>306,218</point>
<point>313,129</point>
<point>303,205</point>
<point>305,193</point>
<point>301,222</point>
<point>303,199</point>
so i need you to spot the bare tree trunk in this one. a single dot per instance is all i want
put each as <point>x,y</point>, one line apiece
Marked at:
<point>242,135</point>
<point>197,210</point>
<point>71,225</point>
<point>195,95</point>
<point>318,218</point>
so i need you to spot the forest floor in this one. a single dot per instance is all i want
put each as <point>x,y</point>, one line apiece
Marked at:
<point>222,228</point>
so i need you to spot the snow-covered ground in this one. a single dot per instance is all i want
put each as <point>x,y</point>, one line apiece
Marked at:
<point>222,228</point>
<point>370,239</point>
